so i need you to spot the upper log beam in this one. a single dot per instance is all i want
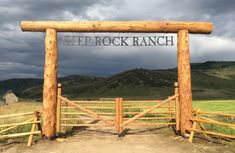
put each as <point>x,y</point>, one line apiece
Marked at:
<point>118,26</point>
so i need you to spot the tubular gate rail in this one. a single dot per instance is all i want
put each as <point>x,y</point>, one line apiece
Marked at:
<point>7,127</point>
<point>201,118</point>
<point>118,113</point>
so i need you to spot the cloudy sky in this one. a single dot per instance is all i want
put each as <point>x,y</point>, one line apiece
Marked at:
<point>22,53</point>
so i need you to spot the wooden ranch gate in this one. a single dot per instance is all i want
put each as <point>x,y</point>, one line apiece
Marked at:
<point>51,28</point>
<point>118,113</point>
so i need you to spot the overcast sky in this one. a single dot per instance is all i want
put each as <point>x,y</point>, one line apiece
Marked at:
<point>22,53</point>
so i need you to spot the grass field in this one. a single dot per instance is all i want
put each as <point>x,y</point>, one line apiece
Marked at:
<point>21,107</point>
<point>220,106</point>
<point>223,106</point>
<point>227,106</point>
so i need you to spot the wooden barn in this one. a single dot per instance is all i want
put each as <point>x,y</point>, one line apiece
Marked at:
<point>9,97</point>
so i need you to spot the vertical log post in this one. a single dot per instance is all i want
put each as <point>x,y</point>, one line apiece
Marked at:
<point>120,115</point>
<point>117,124</point>
<point>177,112</point>
<point>58,112</point>
<point>35,119</point>
<point>184,79</point>
<point>50,84</point>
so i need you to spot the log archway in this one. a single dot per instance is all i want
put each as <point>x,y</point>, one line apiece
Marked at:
<point>51,57</point>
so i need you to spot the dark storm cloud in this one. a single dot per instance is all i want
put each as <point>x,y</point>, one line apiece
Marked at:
<point>104,62</point>
<point>22,53</point>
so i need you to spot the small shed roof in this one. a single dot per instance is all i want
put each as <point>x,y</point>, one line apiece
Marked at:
<point>8,92</point>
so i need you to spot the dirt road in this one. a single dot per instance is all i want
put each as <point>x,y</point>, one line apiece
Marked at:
<point>137,141</point>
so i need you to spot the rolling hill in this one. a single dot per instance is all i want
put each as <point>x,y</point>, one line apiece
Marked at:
<point>210,80</point>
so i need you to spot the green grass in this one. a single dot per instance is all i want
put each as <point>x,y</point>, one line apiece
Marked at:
<point>21,107</point>
<point>223,106</point>
<point>220,106</point>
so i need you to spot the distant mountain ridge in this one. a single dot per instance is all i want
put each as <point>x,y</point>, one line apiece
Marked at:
<point>213,65</point>
<point>210,80</point>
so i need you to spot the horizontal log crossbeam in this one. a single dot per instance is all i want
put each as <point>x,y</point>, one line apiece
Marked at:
<point>210,121</point>
<point>16,115</point>
<point>88,125</point>
<point>19,135</point>
<point>112,108</point>
<point>212,133</point>
<point>125,113</point>
<point>111,118</point>
<point>118,26</point>
<point>17,124</point>
<point>151,124</point>
<point>93,102</point>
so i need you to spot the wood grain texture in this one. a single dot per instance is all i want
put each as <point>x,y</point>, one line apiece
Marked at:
<point>117,26</point>
<point>184,80</point>
<point>50,84</point>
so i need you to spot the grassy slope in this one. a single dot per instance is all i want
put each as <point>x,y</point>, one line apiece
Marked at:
<point>210,80</point>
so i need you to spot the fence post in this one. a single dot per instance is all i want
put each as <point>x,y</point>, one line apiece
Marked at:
<point>117,115</point>
<point>184,79</point>
<point>193,131</point>
<point>177,112</point>
<point>58,111</point>
<point>50,83</point>
<point>120,114</point>
<point>35,119</point>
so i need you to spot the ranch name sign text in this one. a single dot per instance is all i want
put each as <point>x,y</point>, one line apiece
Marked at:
<point>160,40</point>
